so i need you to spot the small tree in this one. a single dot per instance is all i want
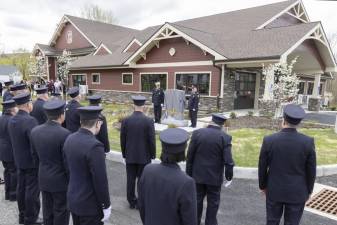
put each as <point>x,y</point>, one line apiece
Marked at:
<point>285,88</point>
<point>37,66</point>
<point>94,12</point>
<point>63,64</point>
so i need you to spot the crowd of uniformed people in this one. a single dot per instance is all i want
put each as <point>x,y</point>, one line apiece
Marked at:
<point>57,150</point>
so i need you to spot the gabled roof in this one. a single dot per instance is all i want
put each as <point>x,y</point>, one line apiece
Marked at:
<point>8,69</point>
<point>232,35</point>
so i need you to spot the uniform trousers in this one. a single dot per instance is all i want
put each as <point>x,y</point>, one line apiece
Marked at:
<point>292,212</point>
<point>10,177</point>
<point>157,113</point>
<point>213,201</point>
<point>28,195</point>
<point>87,220</point>
<point>133,172</point>
<point>193,116</point>
<point>54,207</point>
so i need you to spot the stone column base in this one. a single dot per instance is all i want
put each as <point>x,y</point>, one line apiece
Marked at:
<point>314,104</point>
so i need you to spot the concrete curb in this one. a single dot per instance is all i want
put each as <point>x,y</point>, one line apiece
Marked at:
<point>239,172</point>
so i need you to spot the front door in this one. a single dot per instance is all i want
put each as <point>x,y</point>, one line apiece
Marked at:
<point>79,80</point>
<point>244,90</point>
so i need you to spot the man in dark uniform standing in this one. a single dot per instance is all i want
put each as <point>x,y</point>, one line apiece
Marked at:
<point>287,169</point>
<point>138,145</point>
<point>88,190</point>
<point>208,154</point>
<point>102,136</point>
<point>193,106</point>
<point>1,88</point>
<point>7,94</point>
<point>177,202</point>
<point>6,152</point>
<point>47,148</point>
<point>72,122</point>
<point>38,112</point>
<point>28,192</point>
<point>158,98</point>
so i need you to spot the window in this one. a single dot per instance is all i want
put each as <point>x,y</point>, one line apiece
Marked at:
<point>184,81</point>
<point>310,88</point>
<point>301,88</point>
<point>321,89</point>
<point>96,78</point>
<point>79,79</point>
<point>148,81</point>
<point>127,78</point>
<point>69,37</point>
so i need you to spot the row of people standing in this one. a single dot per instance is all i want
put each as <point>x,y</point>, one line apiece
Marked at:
<point>37,160</point>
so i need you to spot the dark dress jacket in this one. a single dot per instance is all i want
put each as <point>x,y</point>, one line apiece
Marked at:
<point>193,102</point>
<point>137,137</point>
<point>287,166</point>
<point>158,97</point>
<point>20,127</point>
<point>102,135</point>
<point>38,112</point>
<point>6,151</point>
<point>167,196</point>
<point>47,148</point>
<point>72,121</point>
<point>208,154</point>
<point>88,189</point>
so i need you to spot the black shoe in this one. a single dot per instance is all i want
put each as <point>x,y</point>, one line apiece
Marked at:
<point>2,181</point>
<point>37,222</point>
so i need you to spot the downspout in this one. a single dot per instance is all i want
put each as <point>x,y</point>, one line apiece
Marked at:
<point>220,86</point>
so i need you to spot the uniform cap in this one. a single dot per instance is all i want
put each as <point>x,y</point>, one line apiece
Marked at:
<point>174,140</point>
<point>90,112</point>
<point>22,98</point>
<point>41,90</point>
<point>219,119</point>
<point>8,104</point>
<point>56,94</point>
<point>74,92</point>
<point>94,99</point>
<point>54,107</point>
<point>8,83</point>
<point>20,87</point>
<point>138,100</point>
<point>293,114</point>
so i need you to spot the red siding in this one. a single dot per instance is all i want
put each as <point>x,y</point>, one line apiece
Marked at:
<point>184,52</point>
<point>133,47</point>
<point>102,51</point>
<point>78,40</point>
<point>52,68</point>
<point>112,79</point>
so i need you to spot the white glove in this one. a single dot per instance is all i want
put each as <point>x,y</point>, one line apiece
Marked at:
<point>162,105</point>
<point>106,213</point>
<point>228,183</point>
<point>193,110</point>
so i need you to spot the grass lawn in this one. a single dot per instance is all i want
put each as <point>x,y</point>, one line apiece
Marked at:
<point>246,142</point>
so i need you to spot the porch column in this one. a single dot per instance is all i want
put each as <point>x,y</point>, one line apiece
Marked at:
<point>317,85</point>
<point>269,83</point>
<point>222,80</point>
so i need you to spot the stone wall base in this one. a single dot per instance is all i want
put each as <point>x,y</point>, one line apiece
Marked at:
<point>267,107</point>
<point>314,104</point>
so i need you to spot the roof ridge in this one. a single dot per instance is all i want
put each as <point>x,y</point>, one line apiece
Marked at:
<point>96,21</point>
<point>238,10</point>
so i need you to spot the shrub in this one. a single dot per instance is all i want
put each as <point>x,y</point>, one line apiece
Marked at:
<point>233,115</point>
<point>333,108</point>
<point>250,113</point>
<point>171,125</point>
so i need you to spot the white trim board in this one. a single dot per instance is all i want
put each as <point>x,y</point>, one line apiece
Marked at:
<point>183,35</point>
<point>173,64</point>
<point>131,43</point>
<point>102,46</point>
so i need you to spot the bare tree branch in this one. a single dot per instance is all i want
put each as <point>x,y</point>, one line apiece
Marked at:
<point>94,12</point>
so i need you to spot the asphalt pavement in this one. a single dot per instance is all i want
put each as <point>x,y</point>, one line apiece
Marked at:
<point>241,203</point>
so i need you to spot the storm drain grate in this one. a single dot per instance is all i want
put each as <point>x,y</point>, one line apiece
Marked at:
<point>325,201</point>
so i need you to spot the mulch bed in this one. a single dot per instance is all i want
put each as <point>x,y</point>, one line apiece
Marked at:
<point>265,123</point>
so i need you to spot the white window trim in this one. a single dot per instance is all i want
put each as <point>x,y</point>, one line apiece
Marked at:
<point>80,74</point>
<point>194,72</point>
<point>145,73</point>
<point>123,78</point>
<point>92,78</point>
<point>69,40</point>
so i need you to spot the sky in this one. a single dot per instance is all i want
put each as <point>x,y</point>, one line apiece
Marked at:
<point>26,22</point>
